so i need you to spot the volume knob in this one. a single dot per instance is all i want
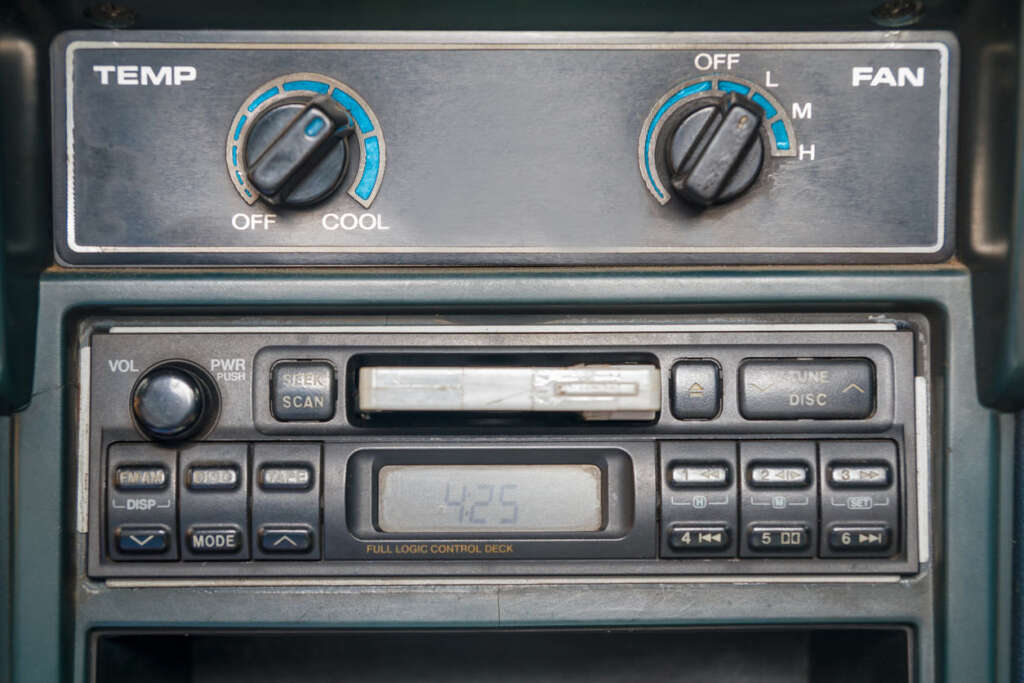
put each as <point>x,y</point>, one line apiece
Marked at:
<point>715,153</point>
<point>174,401</point>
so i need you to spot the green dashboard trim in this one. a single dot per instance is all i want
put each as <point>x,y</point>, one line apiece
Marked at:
<point>53,610</point>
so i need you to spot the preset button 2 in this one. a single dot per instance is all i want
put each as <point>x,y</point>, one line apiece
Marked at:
<point>779,498</point>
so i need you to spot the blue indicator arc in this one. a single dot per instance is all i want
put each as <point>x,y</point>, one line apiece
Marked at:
<point>781,135</point>
<point>762,101</point>
<point>314,86</point>
<point>262,98</point>
<point>370,169</point>
<point>729,86</point>
<point>354,108</point>
<point>685,92</point>
<point>372,146</point>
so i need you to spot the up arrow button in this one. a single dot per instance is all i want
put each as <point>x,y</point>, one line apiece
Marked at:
<point>278,539</point>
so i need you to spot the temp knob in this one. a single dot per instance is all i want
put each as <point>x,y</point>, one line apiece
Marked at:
<point>296,152</point>
<point>715,153</point>
<point>174,401</point>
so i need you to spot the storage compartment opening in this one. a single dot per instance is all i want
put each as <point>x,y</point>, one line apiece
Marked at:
<point>783,655</point>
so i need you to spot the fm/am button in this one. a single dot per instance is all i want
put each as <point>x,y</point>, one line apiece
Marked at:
<point>820,389</point>
<point>303,391</point>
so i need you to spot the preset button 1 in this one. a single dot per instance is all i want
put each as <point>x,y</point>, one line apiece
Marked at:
<point>699,475</point>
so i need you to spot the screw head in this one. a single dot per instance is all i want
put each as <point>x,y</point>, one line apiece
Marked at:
<point>898,13</point>
<point>109,15</point>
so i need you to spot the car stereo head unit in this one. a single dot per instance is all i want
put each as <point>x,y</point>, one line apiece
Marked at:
<point>337,448</point>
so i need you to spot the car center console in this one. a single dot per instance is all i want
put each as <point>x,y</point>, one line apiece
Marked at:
<point>386,354</point>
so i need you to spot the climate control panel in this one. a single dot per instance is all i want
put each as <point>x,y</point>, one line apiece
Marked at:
<point>503,148</point>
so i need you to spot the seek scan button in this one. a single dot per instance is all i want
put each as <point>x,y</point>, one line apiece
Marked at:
<point>303,391</point>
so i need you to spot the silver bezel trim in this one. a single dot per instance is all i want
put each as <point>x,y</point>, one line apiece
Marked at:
<point>499,581</point>
<point>922,425</point>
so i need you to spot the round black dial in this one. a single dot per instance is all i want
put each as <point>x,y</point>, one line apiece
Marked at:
<point>173,401</point>
<point>716,151</point>
<point>296,152</point>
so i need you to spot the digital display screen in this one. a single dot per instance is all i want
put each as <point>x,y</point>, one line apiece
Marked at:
<point>489,498</point>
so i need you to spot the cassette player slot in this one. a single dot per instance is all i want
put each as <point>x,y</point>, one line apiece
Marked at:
<point>597,390</point>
